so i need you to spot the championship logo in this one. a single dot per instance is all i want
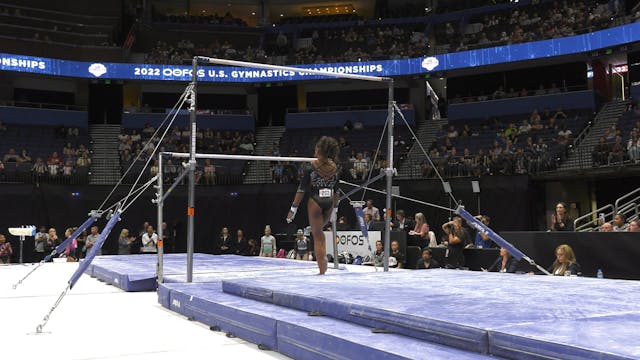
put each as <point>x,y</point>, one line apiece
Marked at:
<point>430,63</point>
<point>97,69</point>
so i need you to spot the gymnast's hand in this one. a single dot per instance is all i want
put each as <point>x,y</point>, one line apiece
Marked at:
<point>292,214</point>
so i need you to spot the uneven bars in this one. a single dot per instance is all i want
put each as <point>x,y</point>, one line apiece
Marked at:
<point>239,157</point>
<point>293,69</point>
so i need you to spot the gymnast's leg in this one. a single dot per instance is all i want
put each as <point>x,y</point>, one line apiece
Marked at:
<point>317,220</point>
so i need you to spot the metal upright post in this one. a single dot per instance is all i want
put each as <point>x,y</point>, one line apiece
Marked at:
<point>389,172</point>
<point>160,204</point>
<point>192,170</point>
<point>334,234</point>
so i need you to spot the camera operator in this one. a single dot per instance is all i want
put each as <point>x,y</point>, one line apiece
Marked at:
<point>457,240</point>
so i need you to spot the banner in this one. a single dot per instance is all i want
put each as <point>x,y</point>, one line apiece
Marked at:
<point>352,242</point>
<point>611,37</point>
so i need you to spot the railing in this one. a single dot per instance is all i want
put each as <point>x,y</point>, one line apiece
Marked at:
<point>591,219</point>
<point>630,211</point>
<point>338,108</point>
<point>618,204</point>
<point>12,173</point>
<point>42,105</point>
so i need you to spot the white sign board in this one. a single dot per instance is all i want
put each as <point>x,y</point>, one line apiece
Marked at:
<point>353,242</point>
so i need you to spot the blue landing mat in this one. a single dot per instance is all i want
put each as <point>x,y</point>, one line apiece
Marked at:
<point>138,272</point>
<point>481,312</point>
<point>293,332</point>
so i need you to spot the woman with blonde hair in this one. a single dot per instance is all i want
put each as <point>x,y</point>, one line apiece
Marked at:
<point>565,263</point>
<point>124,242</point>
<point>421,230</point>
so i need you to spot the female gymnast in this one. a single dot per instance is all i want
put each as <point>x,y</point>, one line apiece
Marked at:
<point>320,180</point>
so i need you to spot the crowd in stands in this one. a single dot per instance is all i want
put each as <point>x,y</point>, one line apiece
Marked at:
<point>48,163</point>
<point>501,93</point>
<point>138,145</point>
<point>371,41</point>
<point>531,23</point>
<point>533,144</point>
<point>213,19</point>
<point>620,144</point>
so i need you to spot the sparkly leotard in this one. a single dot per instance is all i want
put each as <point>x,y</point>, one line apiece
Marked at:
<point>320,188</point>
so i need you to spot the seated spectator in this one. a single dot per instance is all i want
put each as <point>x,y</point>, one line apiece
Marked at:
<point>39,168</point>
<point>633,148</point>
<point>67,169</point>
<point>360,167</point>
<point>620,222</point>
<point>378,255</point>
<point>452,133</point>
<point>11,156</point>
<point>600,154</point>
<point>504,263</point>
<point>616,155</point>
<point>565,263</point>
<point>560,220</point>
<point>482,241</point>
<point>606,227</point>
<point>426,262</point>
<point>24,156</point>
<point>397,254</point>
<point>541,90</point>
<point>83,160</point>
<point>402,223</point>
<point>525,127</point>
<point>633,226</point>
<point>5,249</point>
<point>68,150</point>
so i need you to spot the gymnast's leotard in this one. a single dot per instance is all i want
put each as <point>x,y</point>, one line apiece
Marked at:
<point>321,189</point>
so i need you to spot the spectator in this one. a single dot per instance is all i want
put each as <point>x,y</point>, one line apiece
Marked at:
<point>560,220</point>
<point>426,262</point>
<point>360,167</point>
<point>24,156</point>
<point>91,240</point>
<point>5,250</point>
<point>600,153</point>
<point>124,242</point>
<point>565,263</point>
<point>268,246</point>
<point>372,210</point>
<point>633,148</point>
<point>619,222</point>
<point>302,245</point>
<point>397,254</point>
<point>606,227</point>
<point>616,155</point>
<point>11,156</point>
<point>420,233</point>
<point>378,255</point>
<point>41,244</point>
<point>633,226</point>
<point>240,246</point>
<point>368,221</point>
<point>83,160</point>
<point>482,241</point>
<point>226,243</point>
<point>149,241</point>
<point>253,249</point>
<point>504,263</point>
<point>402,223</point>
<point>457,240</point>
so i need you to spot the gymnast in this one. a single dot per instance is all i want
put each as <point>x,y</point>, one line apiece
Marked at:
<point>320,180</point>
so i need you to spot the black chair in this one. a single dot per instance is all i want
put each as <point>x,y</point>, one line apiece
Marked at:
<point>413,255</point>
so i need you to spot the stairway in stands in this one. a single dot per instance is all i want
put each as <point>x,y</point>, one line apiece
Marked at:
<point>259,172</point>
<point>410,167</point>
<point>105,160</point>
<point>580,157</point>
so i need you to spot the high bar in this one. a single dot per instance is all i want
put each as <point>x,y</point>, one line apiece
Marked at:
<point>293,69</point>
<point>239,157</point>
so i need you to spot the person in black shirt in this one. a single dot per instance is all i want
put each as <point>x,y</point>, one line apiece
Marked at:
<point>560,220</point>
<point>426,262</point>
<point>457,238</point>
<point>396,253</point>
<point>240,245</point>
<point>504,263</point>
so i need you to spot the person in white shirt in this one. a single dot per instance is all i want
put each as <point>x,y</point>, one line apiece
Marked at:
<point>372,210</point>
<point>149,241</point>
